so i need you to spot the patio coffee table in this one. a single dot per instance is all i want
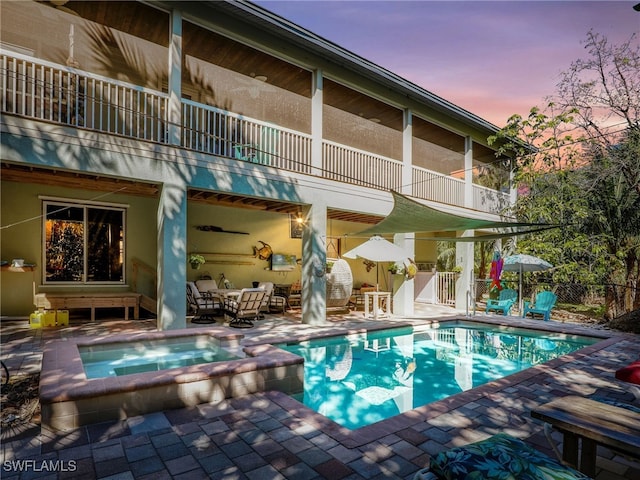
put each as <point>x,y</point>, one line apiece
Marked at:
<point>591,423</point>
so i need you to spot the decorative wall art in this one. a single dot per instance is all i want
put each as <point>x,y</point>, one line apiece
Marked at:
<point>283,263</point>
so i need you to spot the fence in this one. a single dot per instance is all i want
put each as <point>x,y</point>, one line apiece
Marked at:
<point>572,294</point>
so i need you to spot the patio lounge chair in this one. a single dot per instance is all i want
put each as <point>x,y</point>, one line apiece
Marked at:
<point>505,301</point>
<point>280,298</point>
<point>207,285</point>
<point>204,305</point>
<point>497,457</point>
<point>241,310</point>
<point>542,305</point>
<point>295,294</point>
<point>268,288</point>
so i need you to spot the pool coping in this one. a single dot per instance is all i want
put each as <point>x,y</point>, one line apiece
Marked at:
<point>69,399</point>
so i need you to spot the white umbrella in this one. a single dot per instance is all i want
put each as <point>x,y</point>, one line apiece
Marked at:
<point>524,263</point>
<point>377,249</point>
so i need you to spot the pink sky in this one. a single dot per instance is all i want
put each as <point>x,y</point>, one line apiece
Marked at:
<point>493,58</point>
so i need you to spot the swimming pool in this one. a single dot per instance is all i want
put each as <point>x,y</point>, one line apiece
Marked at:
<point>357,380</point>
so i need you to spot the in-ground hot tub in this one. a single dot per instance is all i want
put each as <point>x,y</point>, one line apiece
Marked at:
<point>70,399</point>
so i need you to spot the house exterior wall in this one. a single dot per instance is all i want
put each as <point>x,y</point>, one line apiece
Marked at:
<point>22,237</point>
<point>349,163</point>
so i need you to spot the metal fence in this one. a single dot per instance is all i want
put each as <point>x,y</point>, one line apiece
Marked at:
<point>569,293</point>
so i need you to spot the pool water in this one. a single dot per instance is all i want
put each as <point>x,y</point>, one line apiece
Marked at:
<point>137,357</point>
<point>358,380</point>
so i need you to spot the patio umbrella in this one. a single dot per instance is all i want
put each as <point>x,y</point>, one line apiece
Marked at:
<point>524,263</point>
<point>377,249</point>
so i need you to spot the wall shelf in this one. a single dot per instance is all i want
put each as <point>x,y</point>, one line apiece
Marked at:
<point>23,269</point>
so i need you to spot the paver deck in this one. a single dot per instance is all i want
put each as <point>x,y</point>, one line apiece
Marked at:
<point>270,436</point>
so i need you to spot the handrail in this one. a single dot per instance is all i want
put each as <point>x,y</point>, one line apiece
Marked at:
<point>489,200</point>
<point>212,130</point>
<point>436,186</point>
<point>352,165</point>
<point>77,71</point>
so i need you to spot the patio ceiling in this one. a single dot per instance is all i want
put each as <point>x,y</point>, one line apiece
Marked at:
<point>12,172</point>
<point>62,178</point>
<point>239,201</point>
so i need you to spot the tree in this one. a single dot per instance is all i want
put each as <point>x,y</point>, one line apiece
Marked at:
<point>578,164</point>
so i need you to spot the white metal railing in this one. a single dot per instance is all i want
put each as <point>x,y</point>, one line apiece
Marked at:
<point>351,165</point>
<point>489,200</point>
<point>212,130</point>
<point>435,186</point>
<point>446,287</point>
<point>56,93</point>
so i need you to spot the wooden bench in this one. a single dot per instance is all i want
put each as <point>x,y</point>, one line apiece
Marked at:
<point>66,301</point>
<point>593,423</point>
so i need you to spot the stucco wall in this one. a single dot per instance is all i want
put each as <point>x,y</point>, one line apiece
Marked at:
<point>21,210</point>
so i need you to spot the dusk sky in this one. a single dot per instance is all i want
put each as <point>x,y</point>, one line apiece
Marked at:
<point>493,58</point>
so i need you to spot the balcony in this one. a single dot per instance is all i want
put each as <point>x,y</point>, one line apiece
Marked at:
<point>55,93</point>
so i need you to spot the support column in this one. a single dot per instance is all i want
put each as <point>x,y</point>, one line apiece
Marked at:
<point>175,77</point>
<point>404,296</point>
<point>407,153</point>
<point>403,289</point>
<point>314,263</point>
<point>464,250</point>
<point>172,257</point>
<point>316,122</point>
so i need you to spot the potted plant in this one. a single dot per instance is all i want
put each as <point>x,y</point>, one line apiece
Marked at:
<point>329,266</point>
<point>196,260</point>
<point>396,269</point>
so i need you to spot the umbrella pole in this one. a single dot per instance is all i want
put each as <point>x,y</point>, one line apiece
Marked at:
<point>520,293</point>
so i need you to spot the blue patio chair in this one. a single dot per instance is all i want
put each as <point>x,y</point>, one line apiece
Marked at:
<point>508,297</point>
<point>542,305</point>
<point>245,152</point>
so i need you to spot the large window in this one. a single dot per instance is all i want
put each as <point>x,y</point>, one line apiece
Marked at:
<point>83,243</point>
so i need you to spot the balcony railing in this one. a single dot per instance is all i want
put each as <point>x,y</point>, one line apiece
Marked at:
<point>441,188</point>
<point>350,165</point>
<point>212,130</point>
<point>56,93</point>
<point>489,200</point>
